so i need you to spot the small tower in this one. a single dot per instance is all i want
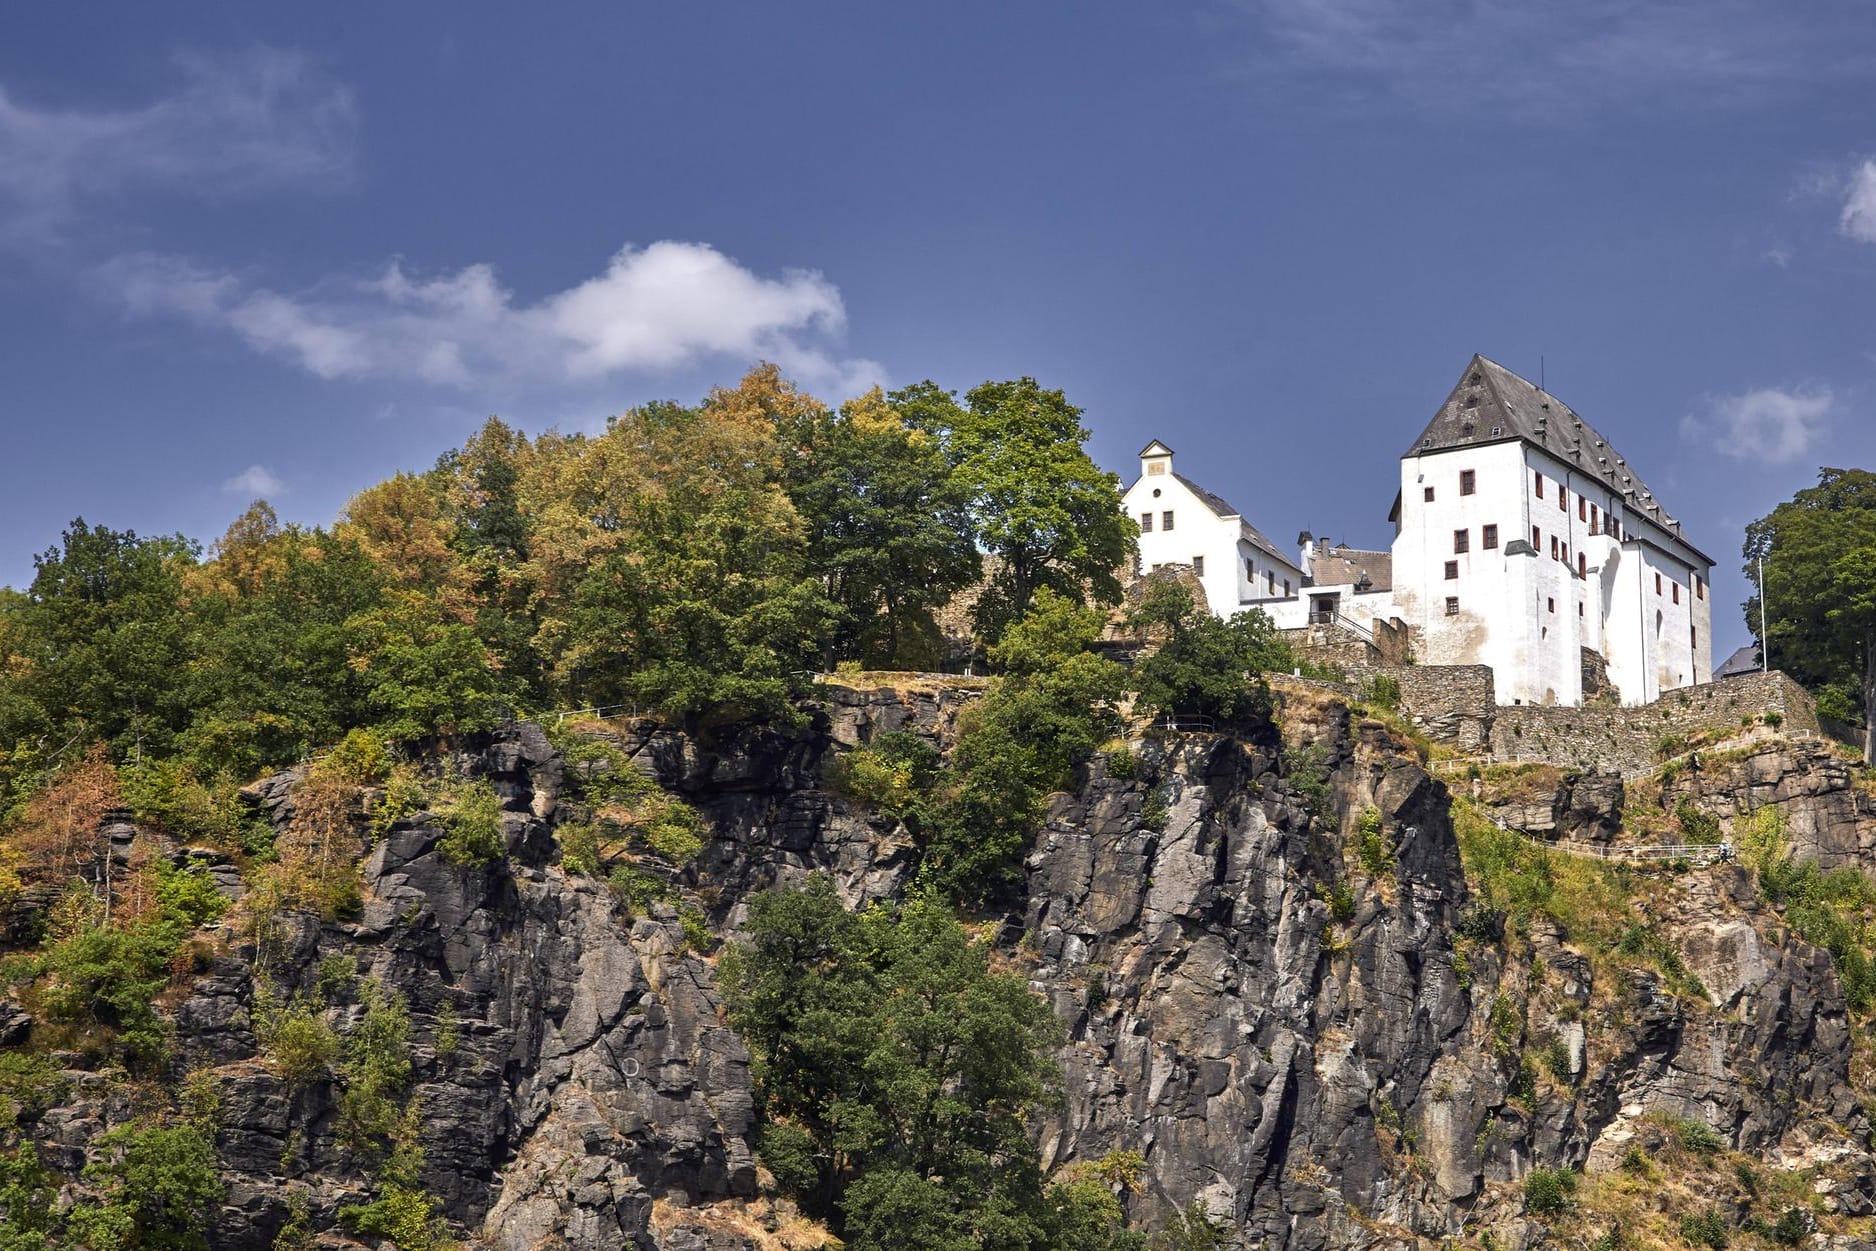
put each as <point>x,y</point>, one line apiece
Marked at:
<point>1156,460</point>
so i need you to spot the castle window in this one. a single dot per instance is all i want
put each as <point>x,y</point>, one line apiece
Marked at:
<point>1452,605</point>
<point>1657,584</point>
<point>1693,635</point>
<point>1593,520</point>
<point>1553,548</point>
<point>1452,570</point>
<point>1488,538</point>
<point>1462,542</point>
<point>1537,539</point>
<point>1154,467</point>
<point>1700,588</point>
<point>1579,607</point>
<point>1582,565</point>
<point>1582,509</point>
<point>1146,523</point>
<point>1677,592</point>
<point>1537,480</point>
<point>1165,520</point>
<point>1563,499</point>
<point>1551,603</point>
<point>1250,574</point>
<point>1198,566</point>
<point>1468,482</point>
<point>1286,587</point>
<point>1427,495</point>
<point>1270,582</point>
<point>1566,553</point>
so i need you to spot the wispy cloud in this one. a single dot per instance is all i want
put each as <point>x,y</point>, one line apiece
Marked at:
<point>1561,59</point>
<point>1858,218</point>
<point>652,309</point>
<point>234,124</point>
<point>255,482</point>
<point>1769,425</point>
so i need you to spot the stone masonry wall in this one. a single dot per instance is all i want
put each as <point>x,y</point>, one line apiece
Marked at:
<point>1629,739</point>
<point>1451,704</point>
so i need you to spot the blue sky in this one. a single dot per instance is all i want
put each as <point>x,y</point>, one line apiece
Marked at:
<point>266,249</point>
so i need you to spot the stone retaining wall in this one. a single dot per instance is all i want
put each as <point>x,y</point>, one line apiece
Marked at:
<point>1631,740</point>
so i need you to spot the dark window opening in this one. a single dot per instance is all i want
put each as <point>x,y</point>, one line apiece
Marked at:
<point>1488,537</point>
<point>1452,605</point>
<point>1468,482</point>
<point>1452,570</point>
<point>1462,542</point>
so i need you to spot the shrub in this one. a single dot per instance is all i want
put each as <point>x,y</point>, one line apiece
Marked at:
<point>1123,764</point>
<point>1701,828</point>
<point>1790,1228</point>
<point>375,1071</point>
<point>1706,1229</point>
<point>448,1029</point>
<point>1774,718</point>
<point>1372,847</point>
<point>1699,1137</point>
<point>1555,1053</point>
<point>300,1047</point>
<point>472,827</point>
<point>696,927</point>
<point>188,895</point>
<point>1154,810</point>
<point>893,774</point>
<point>1309,778</point>
<point>1384,692</point>
<point>362,758</point>
<point>1547,1191</point>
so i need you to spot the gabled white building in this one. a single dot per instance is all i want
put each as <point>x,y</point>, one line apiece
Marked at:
<point>1524,541</point>
<point>1182,523</point>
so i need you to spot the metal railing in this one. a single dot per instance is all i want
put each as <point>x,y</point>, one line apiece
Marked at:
<point>1696,853</point>
<point>1335,618</point>
<point>1190,725</point>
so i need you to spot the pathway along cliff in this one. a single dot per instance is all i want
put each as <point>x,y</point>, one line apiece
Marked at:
<point>1277,983</point>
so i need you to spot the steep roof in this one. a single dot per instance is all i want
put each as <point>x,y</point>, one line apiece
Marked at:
<point>1344,566</point>
<point>1745,660</point>
<point>1492,404</point>
<point>1221,508</point>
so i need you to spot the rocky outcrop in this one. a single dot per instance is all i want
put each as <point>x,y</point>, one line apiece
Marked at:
<point>1324,1039</point>
<point>1826,815</point>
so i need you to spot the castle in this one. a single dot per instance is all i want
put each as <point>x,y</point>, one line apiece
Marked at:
<point>1522,541</point>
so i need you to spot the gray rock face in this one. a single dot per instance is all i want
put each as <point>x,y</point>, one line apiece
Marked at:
<point>1324,1054</point>
<point>1827,818</point>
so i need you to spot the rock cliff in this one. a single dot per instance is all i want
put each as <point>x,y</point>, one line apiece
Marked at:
<point>1280,990</point>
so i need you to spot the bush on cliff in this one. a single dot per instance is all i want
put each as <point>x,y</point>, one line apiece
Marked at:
<point>896,1072</point>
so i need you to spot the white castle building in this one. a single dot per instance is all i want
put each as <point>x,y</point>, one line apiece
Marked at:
<point>1522,541</point>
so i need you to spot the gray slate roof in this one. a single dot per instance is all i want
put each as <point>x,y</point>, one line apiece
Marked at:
<point>1492,404</point>
<point>1222,508</point>
<point>1745,660</point>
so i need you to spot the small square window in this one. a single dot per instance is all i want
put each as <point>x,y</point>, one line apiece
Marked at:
<point>1452,605</point>
<point>1452,570</point>
<point>1146,523</point>
<point>1468,482</point>
<point>1165,520</point>
<point>1427,495</point>
<point>1198,566</point>
<point>1155,467</point>
<point>1488,537</point>
<point>1462,542</point>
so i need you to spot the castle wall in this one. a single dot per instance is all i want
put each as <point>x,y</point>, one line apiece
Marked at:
<point>1630,739</point>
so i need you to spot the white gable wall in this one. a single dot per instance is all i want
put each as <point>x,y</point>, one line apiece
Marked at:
<point>1529,616</point>
<point>1235,573</point>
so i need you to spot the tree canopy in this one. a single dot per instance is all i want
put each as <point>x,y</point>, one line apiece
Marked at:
<point>1819,549</point>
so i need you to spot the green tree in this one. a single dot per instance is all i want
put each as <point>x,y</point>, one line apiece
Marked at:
<point>896,1072</point>
<point>1204,666</point>
<point>1049,708</point>
<point>425,671</point>
<point>99,646</point>
<point>1819,548</point>
<point>1040,505</point>
<point>159,1186</point>
<point>888,531</point>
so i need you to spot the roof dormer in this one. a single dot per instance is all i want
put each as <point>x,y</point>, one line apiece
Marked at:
<point>1156,460</point>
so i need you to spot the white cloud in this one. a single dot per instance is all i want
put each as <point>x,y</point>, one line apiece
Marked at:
<point>255,482</point>
<point>1553,59</point>
<point>1779,255</point>
<point>652,309</point>
<point>235,124</point>
<point>1768,425</point>
<point>1858,219</point>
